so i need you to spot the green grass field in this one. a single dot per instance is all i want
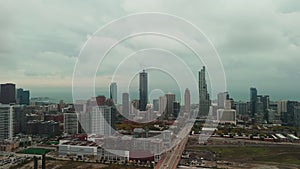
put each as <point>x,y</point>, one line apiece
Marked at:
<point>273,154</point>
<point>37,151</point>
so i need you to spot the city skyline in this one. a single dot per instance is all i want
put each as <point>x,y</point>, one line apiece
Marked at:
<point>57,95</point>
<point>149,84</point>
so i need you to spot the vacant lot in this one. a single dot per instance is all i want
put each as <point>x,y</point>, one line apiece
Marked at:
<point>282,156</point>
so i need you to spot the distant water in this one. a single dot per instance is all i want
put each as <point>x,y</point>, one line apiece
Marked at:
<point>54,96</point>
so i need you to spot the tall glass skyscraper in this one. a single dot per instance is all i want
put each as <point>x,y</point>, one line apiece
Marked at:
<point>23,96</point>
<point>204,101</point>
<point>170,105</point>
<point>187,101</point>
<point>113,92</point>
<point>125,104</point>
<point>253,101</point>
<point>143,91</point>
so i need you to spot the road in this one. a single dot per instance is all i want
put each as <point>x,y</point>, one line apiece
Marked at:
<point>173,156</point>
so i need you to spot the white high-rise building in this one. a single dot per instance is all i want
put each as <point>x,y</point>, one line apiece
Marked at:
<point>162,104</point>
<point>281,106</point>
<point>100,120</point>
<point>70,123</point>
<point>226,115</point>
<point>221,99</point>
<point>6,122</point>
<point>227,104</point>
<point>187,101</point>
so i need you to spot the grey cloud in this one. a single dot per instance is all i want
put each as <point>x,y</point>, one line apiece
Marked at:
<point>258,41</point>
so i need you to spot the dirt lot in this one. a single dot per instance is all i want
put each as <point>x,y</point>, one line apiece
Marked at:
<point>245,156</point>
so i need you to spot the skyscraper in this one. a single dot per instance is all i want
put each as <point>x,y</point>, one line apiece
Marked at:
<point>143,91</point>
<point>170,105</point>
<point>155,104</point>
<point>266,102</point>
<point>162,104</point>
<point>281,106</point>
<point>204,101</point>
<point>187,100</point>
<point>222,97</point>
<point>6,122</point>
<point>262,107</point>
<point>19,118</point>
<point>113,92</point>
<point>241,108</point>
<point>176,109</point>
<point>23,96</point>
<point>101,120</point>
<point>70,123</point>
<point>19,96</point>
<point>253,101</point>
<point>125,104</point>
<point>8,93</point>
<point>297,116</point>
<point>290,112</point>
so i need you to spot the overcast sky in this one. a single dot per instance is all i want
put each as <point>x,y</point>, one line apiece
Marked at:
<point>258,41</point>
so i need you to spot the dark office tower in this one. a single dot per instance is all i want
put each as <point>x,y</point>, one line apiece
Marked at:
<point>263,104</point>
<point>253,101</point>
<point>289,115</point>
<point>125,104</point>
<point>241,108</point>
<point>204,101</point>
<point>143,91</point>
<point>297,116</point>
<point>259,105</point>
<point>19,95</point>
<point>266,102</point>
<point>176,109</point>
<point>170,105</point>
<point>113,92</point>
<point>8,93</point>
<point>23,96</point>
<point>19,118</point>
<point>26,96</point>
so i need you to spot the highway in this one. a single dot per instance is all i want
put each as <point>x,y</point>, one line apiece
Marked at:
<point>173,156</point>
